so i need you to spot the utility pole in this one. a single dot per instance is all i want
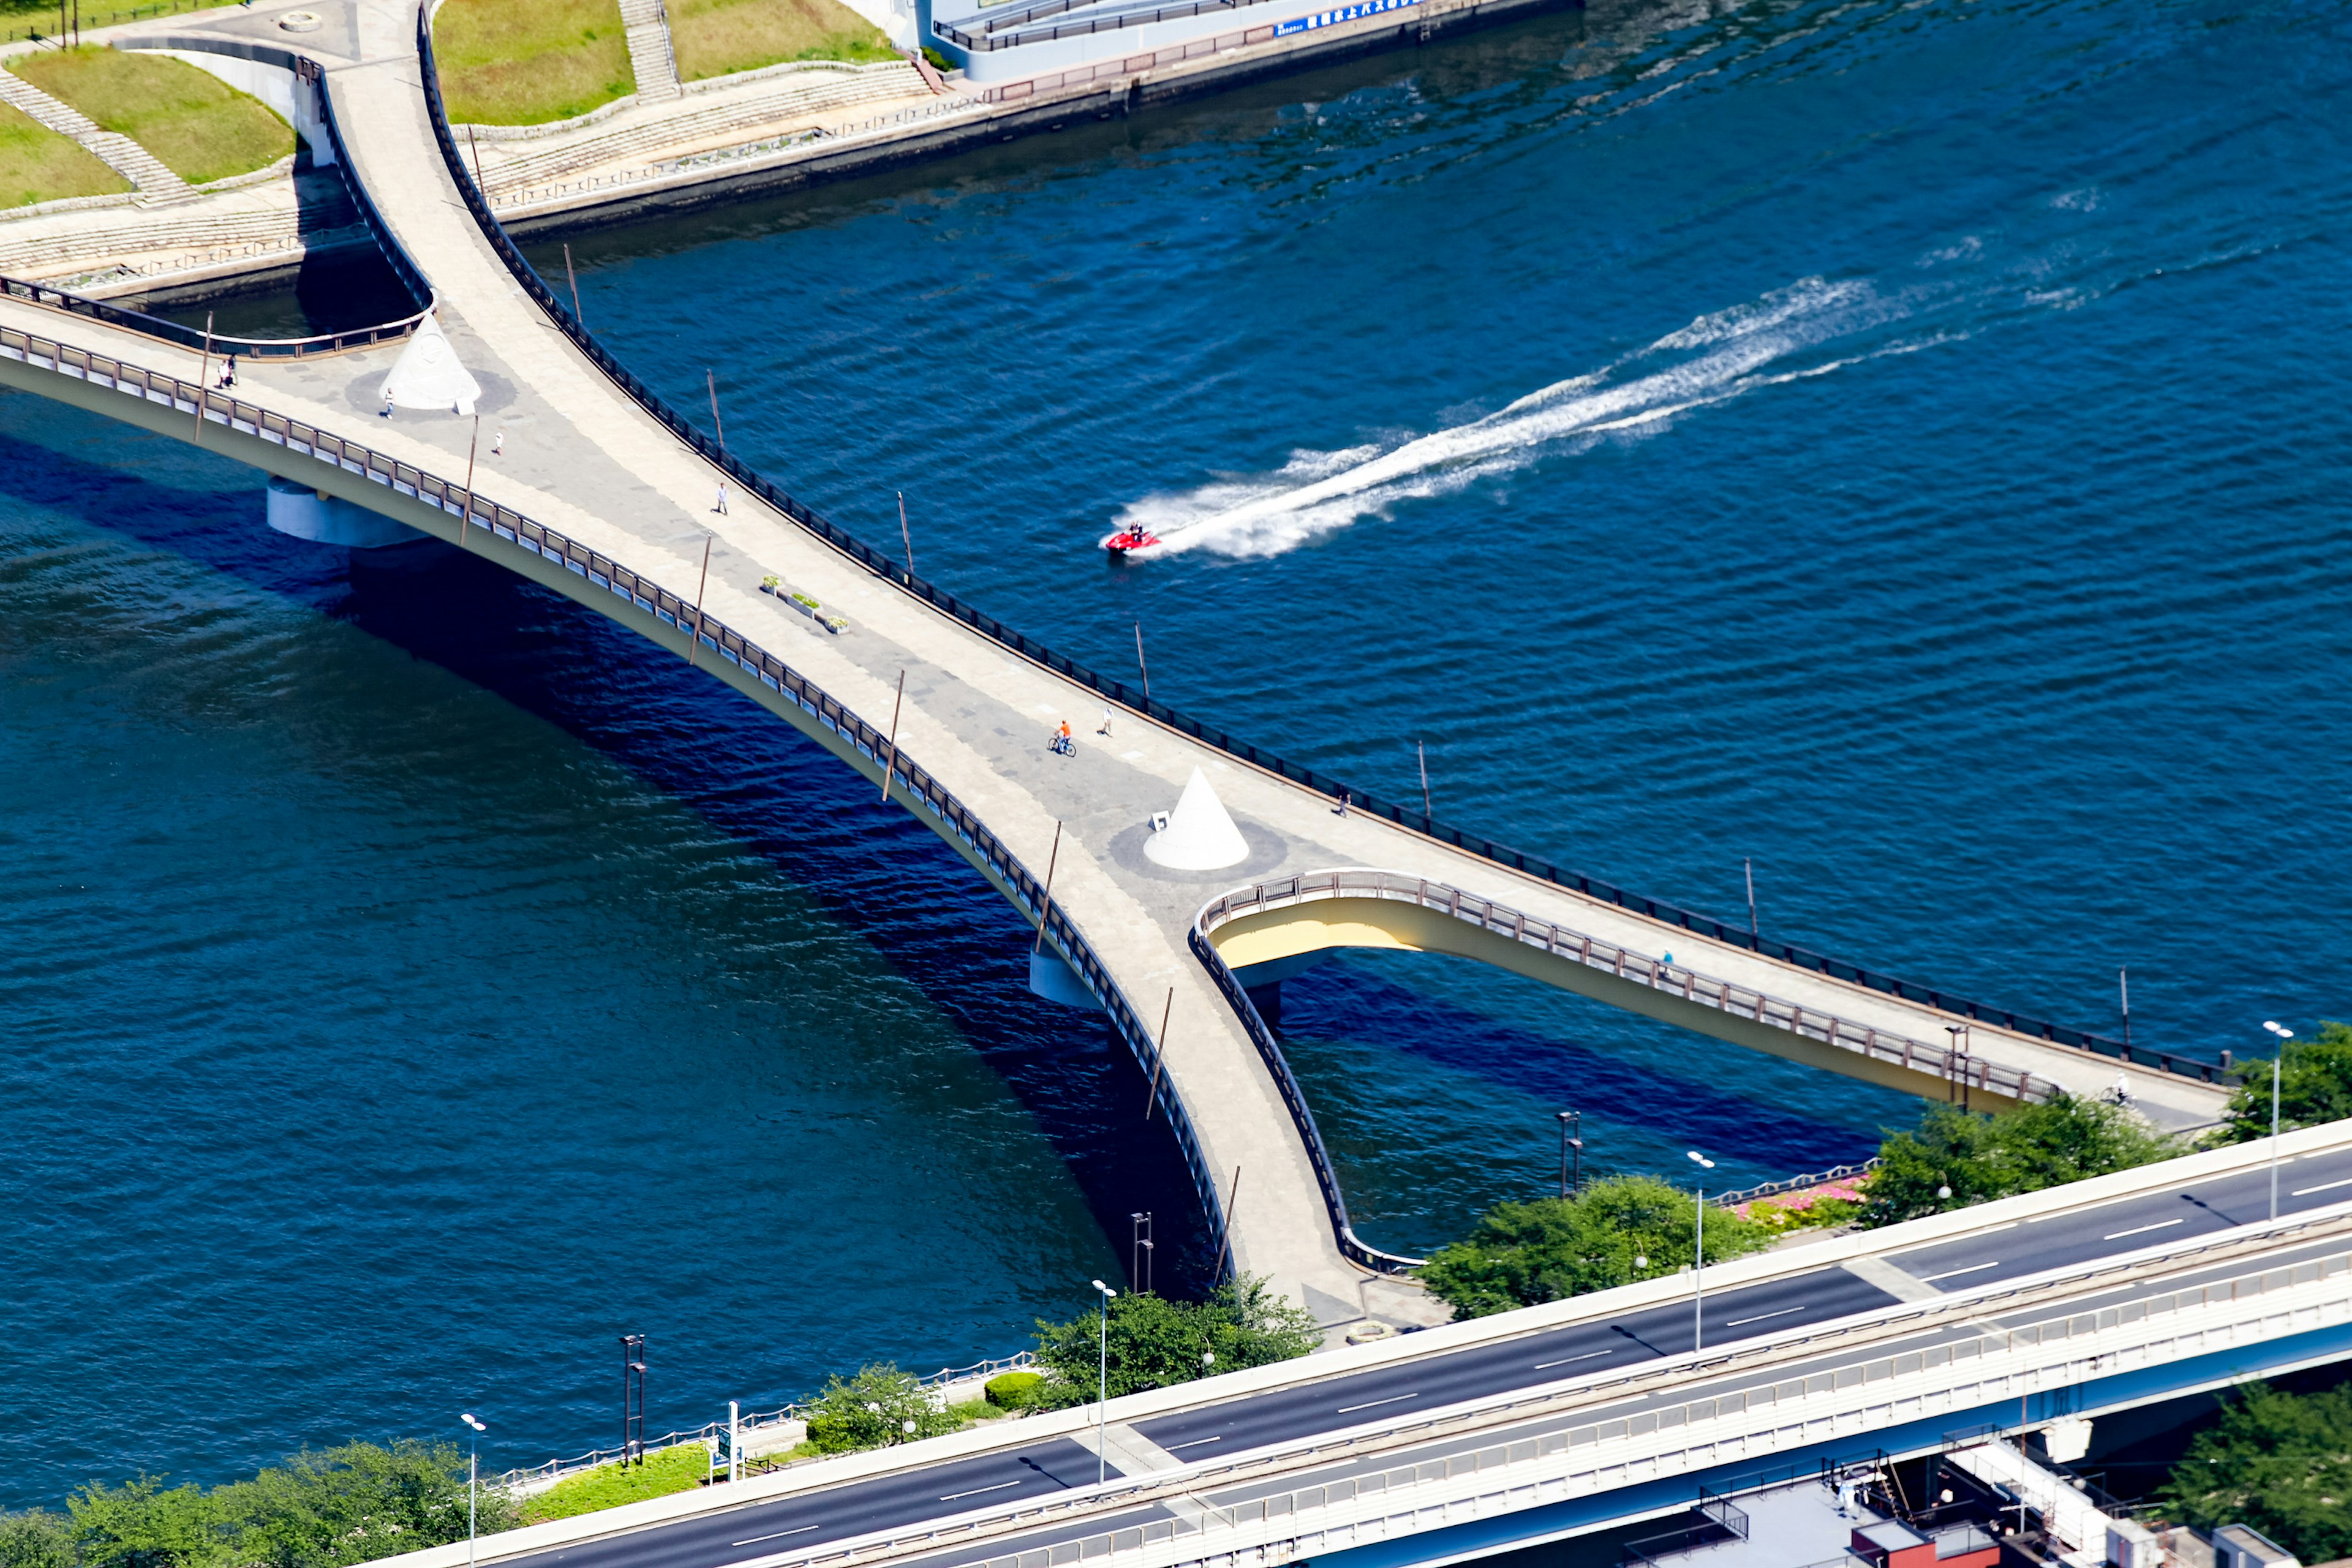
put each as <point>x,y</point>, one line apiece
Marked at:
<point>1045,908</point>
<point>904,537</point>
<point>1571,1129</point>
<point>1423,753</point>
<point>1748,865</point>
<point>2123,983</point>
<point>1139,1263</point>
<point>569,276</point>
<point>633,1399</point>
<point>1140,663</point>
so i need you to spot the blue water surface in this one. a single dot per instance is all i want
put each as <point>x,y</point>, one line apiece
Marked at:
<point>1900,446</point>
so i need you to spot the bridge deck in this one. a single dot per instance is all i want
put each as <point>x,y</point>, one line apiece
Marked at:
<point>583,457</point>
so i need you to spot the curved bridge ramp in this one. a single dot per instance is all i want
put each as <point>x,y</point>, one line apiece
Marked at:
<point>596,497</point>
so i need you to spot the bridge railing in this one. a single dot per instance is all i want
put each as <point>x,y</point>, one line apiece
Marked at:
<point>196,339</point>
<point>1957,1068</point>
<point>923,791</point>
<point>1878,1387</point>
<point>891,571</point>
<point>711,1433</point>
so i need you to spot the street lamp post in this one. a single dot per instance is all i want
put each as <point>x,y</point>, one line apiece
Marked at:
<point>1102,1393</point>
<point>1698,1253</point>
<point>2285,1035</point>
<point>1571,1129</point>
<point>473,1472</point>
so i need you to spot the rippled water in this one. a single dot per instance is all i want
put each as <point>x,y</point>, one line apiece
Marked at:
<point>1899,444</point>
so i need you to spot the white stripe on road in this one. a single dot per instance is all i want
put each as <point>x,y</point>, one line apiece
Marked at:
<point>976,1491</point>
<point>1546,1365</point>
<point>778,1536</point>
<point>1374,1405</point>
<point>1956,1273</point>
<point>2322,1187</point>
<point>1193,1444</point>
<point>1761,1315</point>
<point>2144,1230</point>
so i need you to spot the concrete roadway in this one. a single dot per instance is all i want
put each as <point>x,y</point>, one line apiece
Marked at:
<point>2202,1206</point>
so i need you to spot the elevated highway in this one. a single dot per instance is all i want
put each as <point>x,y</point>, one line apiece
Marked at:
<point>608,496</point>
<point>1551,1421</point>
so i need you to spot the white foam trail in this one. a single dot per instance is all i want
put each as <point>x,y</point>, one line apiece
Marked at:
<point>1715,358</point>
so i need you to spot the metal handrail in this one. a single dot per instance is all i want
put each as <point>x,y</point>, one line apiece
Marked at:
<point>1957,1068</point>
<point>921,788</point>
<point>710,1432</point>
<point>1120,692</point>
<point>1794,1183</point>
<point>189,337</point>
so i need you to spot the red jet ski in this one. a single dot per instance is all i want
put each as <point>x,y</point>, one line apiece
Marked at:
<point>1128,541</point>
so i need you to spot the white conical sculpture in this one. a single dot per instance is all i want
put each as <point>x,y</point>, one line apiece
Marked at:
<point>427,374</point>
<point>1199,835</point>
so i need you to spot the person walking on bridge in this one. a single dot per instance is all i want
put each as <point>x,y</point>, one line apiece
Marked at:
<point>1105,723</point>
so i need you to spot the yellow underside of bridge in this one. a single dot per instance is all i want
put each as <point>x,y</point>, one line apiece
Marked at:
<point>1323,924</point>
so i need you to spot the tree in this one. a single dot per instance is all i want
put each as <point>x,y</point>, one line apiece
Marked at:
<point>354,1503</point>
<point>2280,1462</point>
<point>1156,1343</point>
<point>872,1411</point>
<point>1619,1229</point>
<point>37,1539</point>
<point>2021,1150</point>
<point>2315,1087</point>
<point>141,1525</point>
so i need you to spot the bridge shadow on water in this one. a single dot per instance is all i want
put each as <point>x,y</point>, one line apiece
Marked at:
<point>767,788</point>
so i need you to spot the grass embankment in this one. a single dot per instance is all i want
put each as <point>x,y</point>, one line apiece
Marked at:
<point>526,62</point>
<point>200,127</point>
<point>663,1472</point>
<point>719,38</point>
<point>36,164</point>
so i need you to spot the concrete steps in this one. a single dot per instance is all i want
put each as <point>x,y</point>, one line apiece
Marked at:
<point>645,140</point>
<point>157,182</point>
<point>650,54</point>
<point>179,231</point>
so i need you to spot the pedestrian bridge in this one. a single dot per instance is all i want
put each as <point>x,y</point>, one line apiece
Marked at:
<point>607,495</point>
<point>1553,1421</point>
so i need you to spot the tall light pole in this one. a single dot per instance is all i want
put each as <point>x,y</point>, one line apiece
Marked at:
<point>2285,1035</point>
<point>1102,1403</point>
<point>473,1470</point>
<point>1571,1127</point>
<point>1698,1253</point>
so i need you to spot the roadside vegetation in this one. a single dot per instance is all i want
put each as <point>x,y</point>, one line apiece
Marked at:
<point>2021,1149</point>
<point>1156,1341</point>
<point>2315,1087</point>
<point>1617,1230</point>
<point>719,38</point>
<point>38,18</point>
<point>526,62</point>
<point>2281,1462</point>
<point>36,164</point>
<point>663,1472</point>
<point>323,1508</point>
<point>197,125</point>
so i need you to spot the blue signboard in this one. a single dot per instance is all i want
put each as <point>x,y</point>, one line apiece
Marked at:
<point>1344,14</point>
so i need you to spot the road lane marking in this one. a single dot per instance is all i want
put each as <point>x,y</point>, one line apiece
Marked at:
<point>976,1491</point>
<point>2324,1187</point>
<point>1373,1404</point>
<point>778,1536</point>
<point>2141,1229</point>
<point>1193,1444</point>
<point>1956,1273</point>
<point>1544,1365</point>
<point>1761,1315</point>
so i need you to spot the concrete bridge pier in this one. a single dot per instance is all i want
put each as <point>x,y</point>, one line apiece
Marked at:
<point>299,511</point>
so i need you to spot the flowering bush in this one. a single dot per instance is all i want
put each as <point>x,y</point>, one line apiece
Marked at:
<point>1831,1203</point>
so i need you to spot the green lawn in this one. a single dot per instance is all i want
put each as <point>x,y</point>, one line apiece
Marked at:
<point>526,62</point>
<point>719,37</point>
<point>199,126</point>
<point>36,164</point>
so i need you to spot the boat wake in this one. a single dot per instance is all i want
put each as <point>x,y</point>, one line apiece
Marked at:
<point>1787,335</point>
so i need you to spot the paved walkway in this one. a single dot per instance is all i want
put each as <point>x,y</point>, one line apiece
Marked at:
<point>583,459</point>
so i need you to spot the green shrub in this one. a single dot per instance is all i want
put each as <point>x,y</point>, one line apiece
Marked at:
<point>37,1539</point>
<point>1013,1390</point>
<point>2022,1150</point>
<point>1619,1229</point>
<point>2315,1087</point>
<point>2280,1462</point>
<point>1156,1343</point>
<point>875,1409</point>
<point>664,1471</point>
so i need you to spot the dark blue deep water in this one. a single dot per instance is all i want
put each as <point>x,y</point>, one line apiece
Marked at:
<point>1902,445</point>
